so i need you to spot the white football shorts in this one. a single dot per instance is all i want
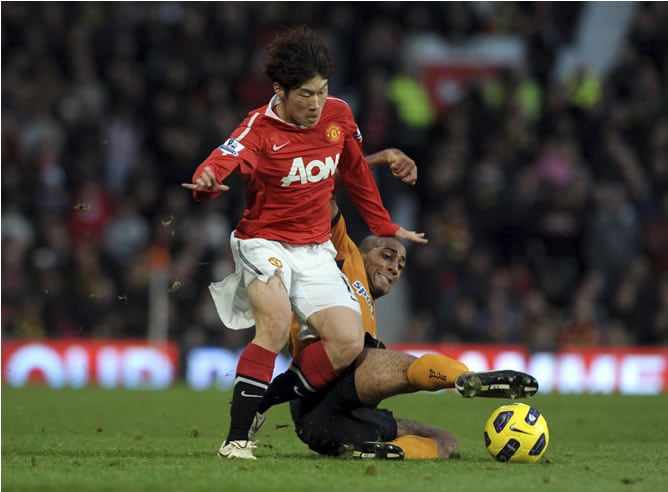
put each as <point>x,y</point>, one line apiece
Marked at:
<point>309,272</point>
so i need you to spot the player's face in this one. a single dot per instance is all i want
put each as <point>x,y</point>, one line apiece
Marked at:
<point>303,106</point>
<point>384,265</point>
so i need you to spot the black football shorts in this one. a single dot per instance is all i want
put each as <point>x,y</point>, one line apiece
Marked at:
<point>327,420</point>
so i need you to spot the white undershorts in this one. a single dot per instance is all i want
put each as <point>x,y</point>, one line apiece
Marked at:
<point>310,274</point>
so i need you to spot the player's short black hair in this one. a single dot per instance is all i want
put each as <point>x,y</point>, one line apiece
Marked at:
<point>296,56</point>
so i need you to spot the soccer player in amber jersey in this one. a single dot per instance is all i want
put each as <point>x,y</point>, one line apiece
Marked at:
<point>287,154</point>
<point>344,419</point>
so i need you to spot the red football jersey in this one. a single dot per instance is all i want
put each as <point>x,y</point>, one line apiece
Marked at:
<point>288,173</point>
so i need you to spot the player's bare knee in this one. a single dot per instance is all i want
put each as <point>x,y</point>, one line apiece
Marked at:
<point>343,351</point>
<point>352,349</point>
<point>341,330</point>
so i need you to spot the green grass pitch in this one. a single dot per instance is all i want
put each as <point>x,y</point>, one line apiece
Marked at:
<point>94,439</point>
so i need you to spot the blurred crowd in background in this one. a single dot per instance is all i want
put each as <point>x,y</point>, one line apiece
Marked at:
<point>545,198</point>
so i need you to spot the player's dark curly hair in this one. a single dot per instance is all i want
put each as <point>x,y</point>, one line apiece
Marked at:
<point>296,56</point>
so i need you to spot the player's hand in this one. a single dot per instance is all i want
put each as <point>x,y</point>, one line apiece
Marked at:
<point>402,166</point>
<point>206,182</point>
<point>416,237</point>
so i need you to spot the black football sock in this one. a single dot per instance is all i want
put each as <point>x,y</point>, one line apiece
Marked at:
<point>254,370</point>
<point>248,394</point>
<point>287,386</point>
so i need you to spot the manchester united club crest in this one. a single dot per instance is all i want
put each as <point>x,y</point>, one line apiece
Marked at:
<point>276,262</point>
<point>333,133</point>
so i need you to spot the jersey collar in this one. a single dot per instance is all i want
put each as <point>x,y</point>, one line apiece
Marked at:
<point>273,102</point>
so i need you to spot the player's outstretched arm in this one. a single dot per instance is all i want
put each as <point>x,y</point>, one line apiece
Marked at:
<point>402,166</point>
<point>206,182</point>
<point>405,169</point>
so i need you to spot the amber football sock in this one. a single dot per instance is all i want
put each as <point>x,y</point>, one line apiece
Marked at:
<point>417,447</point>
<point>433,372</point>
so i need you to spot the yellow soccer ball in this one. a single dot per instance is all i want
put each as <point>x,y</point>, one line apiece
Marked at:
<point>517,433</point>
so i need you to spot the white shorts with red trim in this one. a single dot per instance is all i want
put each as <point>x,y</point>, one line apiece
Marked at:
<point>309,273</point>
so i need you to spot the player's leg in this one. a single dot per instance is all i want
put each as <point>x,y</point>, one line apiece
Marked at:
<point>256,363</point>
<point>420,441</point>
<point>263,291</point>
<point>341,332</point>
<point>432,372</point>
<point>403,373</point>
<point>272,317</point>
<point>380,374</point>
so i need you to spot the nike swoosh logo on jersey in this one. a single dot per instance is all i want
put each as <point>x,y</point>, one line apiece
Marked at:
<point>248,395</point>
<point>276,148</point>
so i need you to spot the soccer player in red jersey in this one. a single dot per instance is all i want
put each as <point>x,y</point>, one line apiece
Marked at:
<point>287,154</point>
